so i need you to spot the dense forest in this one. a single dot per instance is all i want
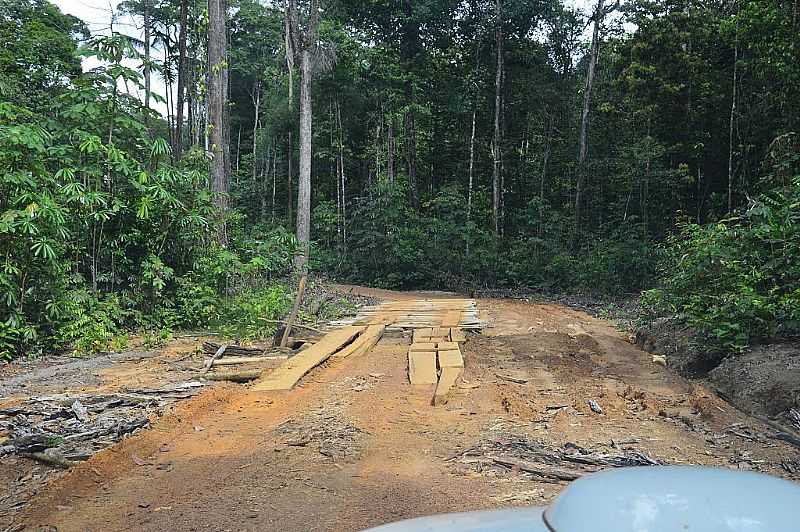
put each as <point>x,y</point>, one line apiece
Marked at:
<point>638,145</point>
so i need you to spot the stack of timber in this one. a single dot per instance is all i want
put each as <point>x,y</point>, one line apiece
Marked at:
<point>433,359</point>
<point>291,371</point>
<point>417,314</point>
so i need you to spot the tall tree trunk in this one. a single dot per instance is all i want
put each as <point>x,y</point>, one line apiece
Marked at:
<point>498,87</point>
<point>274,177</point>
<point>257,106</point>
<point>411,135</point>
<point>390,149</point>
<point>217,68</point>
<point>238,152</point>
<point>147,60</point>
<point>342,175</point>
<point>289,171</point>
<point>177,149</point>
<point>543,176</point>
<point>304,180</point>
<point>587,98</point>
<point>471,165</point>
<point>732,124</point>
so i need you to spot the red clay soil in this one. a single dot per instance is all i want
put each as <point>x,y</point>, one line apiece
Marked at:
<point>355,446</point>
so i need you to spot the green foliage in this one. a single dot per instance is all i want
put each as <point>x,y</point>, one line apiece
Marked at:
<point>736,281</point>
<point>244,314</point>
<point>89,325</point>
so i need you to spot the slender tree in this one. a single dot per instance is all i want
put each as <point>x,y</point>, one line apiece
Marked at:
<point>498,97</point>
<point>217,74</point>
<point>597,17</point>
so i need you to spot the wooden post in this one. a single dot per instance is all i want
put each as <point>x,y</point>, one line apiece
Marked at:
<point>301,287</point>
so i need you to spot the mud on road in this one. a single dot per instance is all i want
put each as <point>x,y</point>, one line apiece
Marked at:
<point>356,446</point>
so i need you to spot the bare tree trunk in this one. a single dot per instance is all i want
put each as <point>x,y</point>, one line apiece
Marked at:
<point>378,129</point>
<point>411,135</point>
<point>289,170</point>
<point>274,176</point>
<point>732,123</point>
<point>545,160</point>
<point>471,165</point>
<point>304,180</point>
<point>390,149</point>
<point>257,105</point>
<point>147,60</point>
<point>342,175</point>
<point>168,96</point>
<point>262,184</point>
<point>216,108</point>
<point>580,182</point>
<point>498,87</point>
<point>177,149</point>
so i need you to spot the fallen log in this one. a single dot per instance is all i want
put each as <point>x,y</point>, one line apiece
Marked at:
<point>53,460</point>
<point>246,360</point>
<point>241,376</point>
<point>234,350</point>
<point>541,470</point>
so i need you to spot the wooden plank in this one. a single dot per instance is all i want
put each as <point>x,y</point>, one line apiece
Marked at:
<point>457,335</point>
<point>451,319</point>
<point>446,346</point>
<point>441,332</point>
<point>371,337</point>
<point>423,346</point>
<point>353,346</point>
<point>446,381</point>
<point>290,372</point>
<point>420,333</point>
<point>422,367</point>
<point>451,359</point>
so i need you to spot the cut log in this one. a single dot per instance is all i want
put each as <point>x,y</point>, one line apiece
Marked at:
<point>422,367</point>
<point>241,376</point>
<point>232,350</point>
<point>447,379</point>
<point>291,371</point>
<point>246,360</point>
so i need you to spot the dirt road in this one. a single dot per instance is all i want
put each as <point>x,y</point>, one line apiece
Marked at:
<point>355,446</point>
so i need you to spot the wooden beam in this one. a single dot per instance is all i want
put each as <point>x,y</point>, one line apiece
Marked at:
<point>447,379</point>
<point>423,346</point>
<point>290,372</point>
<point>422,367</point>
<point>457,335</point>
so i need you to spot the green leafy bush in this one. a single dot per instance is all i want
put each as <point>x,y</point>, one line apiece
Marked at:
<point>738,280</point>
